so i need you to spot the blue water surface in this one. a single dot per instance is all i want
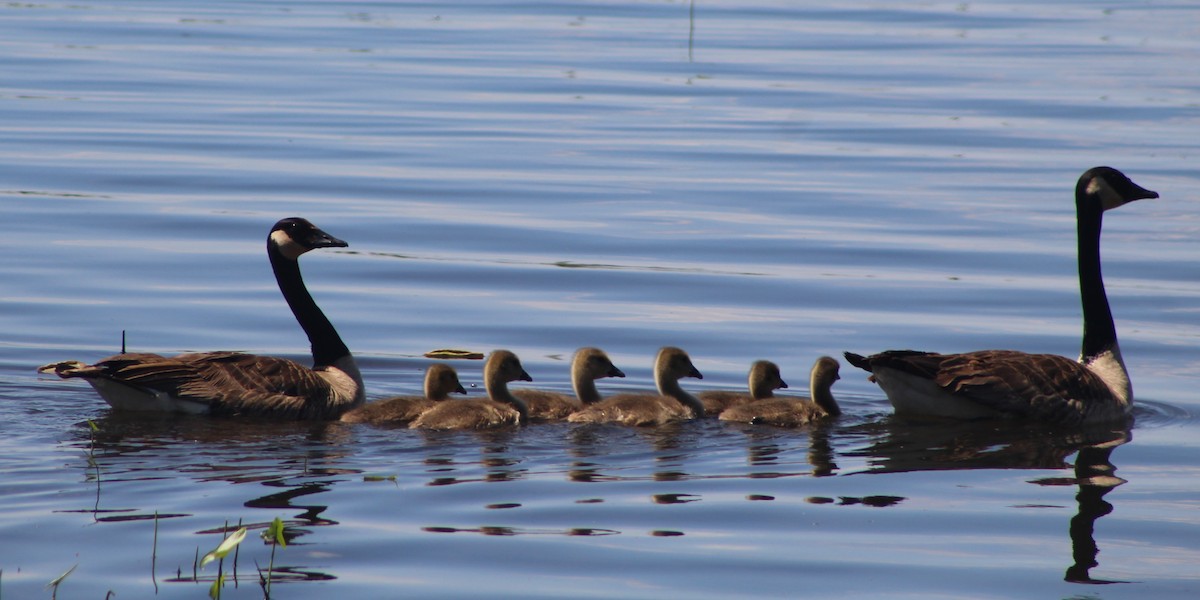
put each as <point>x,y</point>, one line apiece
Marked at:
<point>742,179</point>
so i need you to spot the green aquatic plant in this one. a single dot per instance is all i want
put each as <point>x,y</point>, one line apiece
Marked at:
<point>219,553</point>
<point>227,545</point>
<point>274,536</point>
<point>54,583</point>
<point>214,591</point>
<point>91,459</point>
<point>154,555</point>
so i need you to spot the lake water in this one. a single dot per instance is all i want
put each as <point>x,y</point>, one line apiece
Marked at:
<point>744,179</point>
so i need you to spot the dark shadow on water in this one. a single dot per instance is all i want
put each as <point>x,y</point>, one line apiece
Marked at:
<point>767,444</point>
<point>872,501</point>
<point>298,462</point>
<point>896,446</point>
<point>496,458</point>
<point>280,574</point>
<point>1095,476</point>
<point>595,445</point>
<point>294,461</point>
<point>512,531</point>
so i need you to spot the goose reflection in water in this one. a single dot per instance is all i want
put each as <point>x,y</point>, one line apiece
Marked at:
<point>1094,474</point>
<point>902,446</point>
<point>293,459</point>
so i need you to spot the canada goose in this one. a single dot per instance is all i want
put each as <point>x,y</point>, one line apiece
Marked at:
<point>1047,387</point>
<point>235,383</point>
<point>672,403</point>
<point>441,380</point>
<point>499,409</point>
<point>588,365</point>
<point>764,379</point>
<point>790,412</point>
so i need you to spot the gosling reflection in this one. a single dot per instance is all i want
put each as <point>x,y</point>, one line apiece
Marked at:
<point>770,447</point>
<point>820,451</point>
<point>495,463</point>
<point>675,498</point>
<point>870,501</point>
<point>609,447</point>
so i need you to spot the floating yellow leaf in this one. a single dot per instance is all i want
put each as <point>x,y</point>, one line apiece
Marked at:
<point>453,353</point>
<point>225,548</point>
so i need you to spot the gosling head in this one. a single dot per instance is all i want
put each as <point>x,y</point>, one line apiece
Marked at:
<point>504,366</point>
<point>825,371</point>
<point>441,381</point>
<point>595,364</point>
<point>674,363</point>
<point>765,378</point>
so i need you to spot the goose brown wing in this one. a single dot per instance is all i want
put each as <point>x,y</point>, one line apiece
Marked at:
<point>1045,387</point>
<point>228,382</point>
<point>149,372</point>
<point>913,362</point>
<point>236,383</point>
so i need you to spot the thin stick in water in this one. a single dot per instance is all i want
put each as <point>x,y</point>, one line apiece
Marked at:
<point>154,555</point>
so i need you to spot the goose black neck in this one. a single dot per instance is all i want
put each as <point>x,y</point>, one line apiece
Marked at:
<point>327,345</point>
<point>1099,332</point>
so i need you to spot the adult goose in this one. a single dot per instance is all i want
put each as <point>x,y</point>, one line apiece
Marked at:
<point>764,379</point>
<point>233,383</point>
<point>791,412</point>
<point>671,403</point>
<point>441,380</point>
<point>499,409</point>
<point>588,365</point>
<point>1045,387</point>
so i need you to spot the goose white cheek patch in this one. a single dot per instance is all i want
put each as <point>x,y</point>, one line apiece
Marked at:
<point>287,246</point>
<point>1109,198</point>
